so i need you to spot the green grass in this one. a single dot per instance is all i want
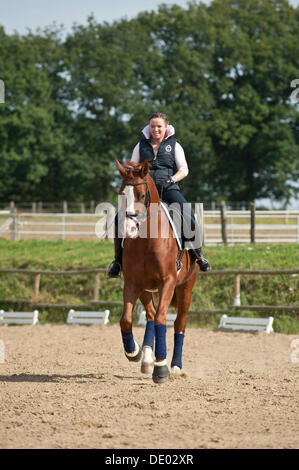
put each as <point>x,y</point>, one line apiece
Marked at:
<point>210,292</point>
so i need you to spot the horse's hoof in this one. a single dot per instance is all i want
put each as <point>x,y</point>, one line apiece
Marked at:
<point>160,373</point>
<point>136,357</point>
<point>147,367</point>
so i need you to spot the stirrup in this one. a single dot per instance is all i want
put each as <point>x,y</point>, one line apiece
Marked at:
<point>116,263</point>
<point>203,263</point>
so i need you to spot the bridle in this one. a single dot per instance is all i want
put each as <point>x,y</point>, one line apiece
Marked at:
<point>132,215</point>
<point>139,219</point>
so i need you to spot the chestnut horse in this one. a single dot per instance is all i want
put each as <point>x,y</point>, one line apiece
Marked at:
<point>149,264</point>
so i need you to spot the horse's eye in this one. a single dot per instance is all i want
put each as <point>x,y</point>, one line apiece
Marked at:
<point>142,196</point>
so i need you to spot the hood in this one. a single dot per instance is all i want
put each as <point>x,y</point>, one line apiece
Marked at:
<point>169,131</point>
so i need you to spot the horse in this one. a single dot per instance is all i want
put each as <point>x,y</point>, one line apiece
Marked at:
<point>149,265</point>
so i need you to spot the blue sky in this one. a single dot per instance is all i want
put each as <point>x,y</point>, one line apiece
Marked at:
<point>22,14</point>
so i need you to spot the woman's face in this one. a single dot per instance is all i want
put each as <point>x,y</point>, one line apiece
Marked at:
<point>158,128</point>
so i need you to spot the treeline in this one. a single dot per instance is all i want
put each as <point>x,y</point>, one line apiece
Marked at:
<point>76,102</point>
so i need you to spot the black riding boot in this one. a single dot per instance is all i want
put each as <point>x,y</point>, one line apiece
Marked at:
<point>201,260</point>
<point>115,268</point>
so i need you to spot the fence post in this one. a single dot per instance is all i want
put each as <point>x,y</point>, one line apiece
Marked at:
<point>92,206</point>
<point>237,291</point>
<point>287,213</point>
<point>14,222</point>
<point>200,220</point>
<point>36,286</point>
<point>223,222</point>
<point>64,207</point>
<point>96,287</point>
<point>63,226</point>
<point>298,229</point>
<point>252,222</point>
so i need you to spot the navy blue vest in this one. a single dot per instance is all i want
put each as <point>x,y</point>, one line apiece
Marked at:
<point>163,165</point>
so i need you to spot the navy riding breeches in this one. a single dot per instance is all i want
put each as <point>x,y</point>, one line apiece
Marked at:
<point>191,231</point>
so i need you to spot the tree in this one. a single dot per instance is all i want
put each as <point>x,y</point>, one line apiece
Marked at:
<point>34,133</point>
<point>221,72</point>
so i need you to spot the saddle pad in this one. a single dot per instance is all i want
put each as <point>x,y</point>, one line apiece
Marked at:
<point>176,230</point>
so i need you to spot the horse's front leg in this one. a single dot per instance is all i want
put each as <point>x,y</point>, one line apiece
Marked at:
<point>183,296</point>
<point>161,371</point>
<point>147,362</point>
<point>132,349</point>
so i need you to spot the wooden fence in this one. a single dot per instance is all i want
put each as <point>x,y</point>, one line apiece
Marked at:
<point>218,227</point>
<point>95,301</point>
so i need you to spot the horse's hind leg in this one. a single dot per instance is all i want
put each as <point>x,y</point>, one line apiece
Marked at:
<point>147,362</point>
<point>132,350</point>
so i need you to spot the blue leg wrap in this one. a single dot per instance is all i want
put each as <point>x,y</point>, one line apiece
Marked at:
<point>177,350</point>
<point>149,335</point>
<point>160,336</point>
<point>128,341</point>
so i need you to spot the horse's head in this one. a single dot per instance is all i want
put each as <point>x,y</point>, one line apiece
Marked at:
<point>137,187</point>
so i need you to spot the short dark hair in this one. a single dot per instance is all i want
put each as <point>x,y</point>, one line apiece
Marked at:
<point>159,115</point>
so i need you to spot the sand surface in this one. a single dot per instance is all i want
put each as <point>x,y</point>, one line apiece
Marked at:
<point>70,386</point>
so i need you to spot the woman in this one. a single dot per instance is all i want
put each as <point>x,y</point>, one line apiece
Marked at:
<point>168,166</point>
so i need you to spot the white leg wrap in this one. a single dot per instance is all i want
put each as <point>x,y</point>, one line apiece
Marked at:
<point>147,354</point>
<point>176,370</point>
<point>161,363</point>
<point>135,352</point>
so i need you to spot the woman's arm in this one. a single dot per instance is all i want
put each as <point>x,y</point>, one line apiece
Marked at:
<point>181,163</point>
<point>136,154</point>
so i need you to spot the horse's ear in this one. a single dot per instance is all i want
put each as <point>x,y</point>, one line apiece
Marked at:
<point>145,168</point>
<point>121,169</point>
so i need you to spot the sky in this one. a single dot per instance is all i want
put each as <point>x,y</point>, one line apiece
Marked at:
<point>19,15</point>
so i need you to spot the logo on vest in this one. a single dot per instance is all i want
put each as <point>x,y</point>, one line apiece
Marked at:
<point>168,148</point>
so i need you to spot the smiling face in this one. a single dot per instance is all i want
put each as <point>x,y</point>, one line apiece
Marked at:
<point>158,128</point>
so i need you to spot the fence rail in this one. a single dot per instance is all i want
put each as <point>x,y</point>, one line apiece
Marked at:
<point>95,299</point>
<point>218,226</point>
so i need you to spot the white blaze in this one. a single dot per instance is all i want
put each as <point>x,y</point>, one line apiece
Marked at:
<point>130,227</point>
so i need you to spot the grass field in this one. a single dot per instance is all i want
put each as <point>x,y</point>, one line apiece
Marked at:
<point>209,292</point>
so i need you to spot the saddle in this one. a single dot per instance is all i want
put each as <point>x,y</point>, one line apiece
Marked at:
<point>176,221</point>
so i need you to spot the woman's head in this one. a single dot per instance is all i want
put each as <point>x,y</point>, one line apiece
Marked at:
<point>158,123</point>
<point>159,116</point>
